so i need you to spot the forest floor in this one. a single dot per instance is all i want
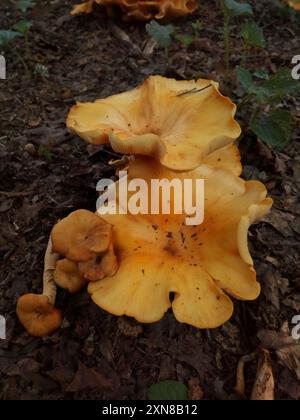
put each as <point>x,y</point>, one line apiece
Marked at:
<point>47,172</point>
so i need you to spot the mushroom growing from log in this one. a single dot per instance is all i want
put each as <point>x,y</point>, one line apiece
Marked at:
<point>179,123</point>
<point>143,9</point>
<point>37,313</point>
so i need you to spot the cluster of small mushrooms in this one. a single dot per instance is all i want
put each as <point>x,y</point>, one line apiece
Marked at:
<point>142,265</point>
<point>142,9</point>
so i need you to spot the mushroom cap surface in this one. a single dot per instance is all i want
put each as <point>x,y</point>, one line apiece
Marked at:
<point>81,236</point>
<point>179,123</point>
<point>67,276</point>
<point>202,265</point>
<point>37,315</point>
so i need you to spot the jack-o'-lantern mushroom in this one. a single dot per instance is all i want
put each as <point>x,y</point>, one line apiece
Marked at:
<point>37,313</point>
<point>67,276</point>
<point>85,240</point>
<point>143,9</point>
<point>179,123</point>
<point>202,265</point>
<point>99,267</point>
<point>81,236</point>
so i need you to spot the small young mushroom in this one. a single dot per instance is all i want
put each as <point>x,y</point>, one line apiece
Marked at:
<point>37,313</point>
<point>67,276</point>
<point>201,265</point>
<point>143,10</point>
<point>179,123</point>
<point>85,240</point>
<point>81,236</point>
<point>100,266</point>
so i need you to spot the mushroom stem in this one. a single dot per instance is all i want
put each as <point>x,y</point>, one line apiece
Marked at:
<point>49,286</point>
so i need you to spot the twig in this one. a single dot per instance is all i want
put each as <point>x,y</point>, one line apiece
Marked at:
<point>194,90</point>
<point>16,194</point>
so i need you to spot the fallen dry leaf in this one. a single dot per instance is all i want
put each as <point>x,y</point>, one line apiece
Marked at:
<point>128,328</point>
<point>195,391</point>
<point>87,378</point>
<point>240,375</point>
<point>286,347</point>
<point>263,389</point>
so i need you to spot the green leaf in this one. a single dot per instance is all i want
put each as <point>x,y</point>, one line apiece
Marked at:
<point>261,74</point>
<point>184,40</point>
<point>276,87</point>
<point>6,37</point>
<point>281,83</point>
<point>24,5</point>
<point>23,27</point>
<point>253,35</point>
<point>234,9</point>
<point>168,390</point>
<point>197,26</point>
<point>274,129</point>
<point>244,77</point>
<point>160,33</point>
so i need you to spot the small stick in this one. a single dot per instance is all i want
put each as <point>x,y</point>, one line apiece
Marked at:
<point>16,194</point>
<point>194,90</point>
<point>49,286</point>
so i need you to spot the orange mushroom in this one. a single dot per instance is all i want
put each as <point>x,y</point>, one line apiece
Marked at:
<point>100,266</point>
<point>67,276</point>
<point>201,264</point>
<point>179,123</point>
<point>143,9</point>
<point>81,236</point>
<point>85,240</point>
<point>228,158</point>
<point>37,313</point>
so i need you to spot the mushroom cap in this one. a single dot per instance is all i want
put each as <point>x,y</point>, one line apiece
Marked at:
<point>37,315</point>
<point>201,265</point>
<point>67,276</point>
<point>100,266</point>
<point>228,158</point>
<point>179,123</point>
<point>144,9</point>
<point>81,236</point>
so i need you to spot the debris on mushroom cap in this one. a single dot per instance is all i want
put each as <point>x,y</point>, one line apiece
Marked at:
<point>67,276</point>
<point>143,9</point>
<point>201,265</point>
<point>38,316</point>
<point>100,267</point>
<point>81,236</point>
<point>178,123</point>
